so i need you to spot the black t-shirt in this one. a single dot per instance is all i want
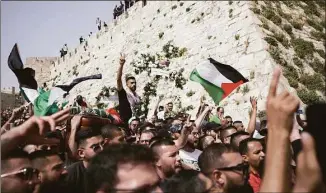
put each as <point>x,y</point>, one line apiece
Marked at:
<point>124,106</point>
<point>77,178</point>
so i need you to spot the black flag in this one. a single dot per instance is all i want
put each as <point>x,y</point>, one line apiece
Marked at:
<point>76,81</point>
<point>25,76</point>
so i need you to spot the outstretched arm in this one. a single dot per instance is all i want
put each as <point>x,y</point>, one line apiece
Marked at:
<point>119,81</point>
<point>158,102</point>
<point>252,121</point>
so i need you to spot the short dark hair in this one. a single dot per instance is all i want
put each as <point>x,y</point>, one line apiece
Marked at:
<point>108,131</point>
<point>234,122</point>
<point>103,167</point>
<point>183,182</point>
<point>152,131</point>
<point>211,157</point>
<point>130,78</point>
<point>228,117</point>
<point>39,157</point>
<point>243,146</point>
<point>235,136</point>
<point>160,142</point>
<point>16,153</point>
<point>146,124</point>
<point>212,126</point>
<point>222,131</point>
<point>218,108</point>
<point>83,135</point>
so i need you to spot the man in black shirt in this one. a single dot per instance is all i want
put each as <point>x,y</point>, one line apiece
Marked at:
<point>90,143</point>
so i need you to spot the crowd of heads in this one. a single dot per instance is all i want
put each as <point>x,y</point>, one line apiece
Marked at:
<point>168,152</point>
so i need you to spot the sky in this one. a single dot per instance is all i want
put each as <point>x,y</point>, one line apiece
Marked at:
<point>41,28</point>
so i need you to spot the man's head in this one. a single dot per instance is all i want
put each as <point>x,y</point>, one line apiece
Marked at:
<point>237,137</point>
<point>170,106</point>
<point>212,128</point>
<point>146,136</point>
<point>205,141</point>
<point>134,124</point>
<point>229,119</point>
<point>167,157</point>
<point>224,166</point>
<point>225,134</point>
<point>123,168</point>
<point>252,152</point>
<point>17,173</point>
<point>90,143</point>
<point>112,134</point>
<point>220,111</point>
<point>238,125</point>
<point>193,137</point>
<point>51,168</point>
<point>131,83</point>
<point>79,98</point>
<point>188,181</point>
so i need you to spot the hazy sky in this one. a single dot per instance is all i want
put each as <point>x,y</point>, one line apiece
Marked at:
<point>41,28</point>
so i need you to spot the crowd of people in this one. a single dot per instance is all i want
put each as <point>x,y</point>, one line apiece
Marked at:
<point>84,152</point>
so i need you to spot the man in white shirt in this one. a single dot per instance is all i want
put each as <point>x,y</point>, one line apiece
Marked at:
<point>189,154</point>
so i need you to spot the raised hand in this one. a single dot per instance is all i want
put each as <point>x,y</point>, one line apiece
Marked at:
<point>122,59</point>
<point>280,108</point>
<point>75,121</point>
<point>309,176</point>
<point>253,101</point>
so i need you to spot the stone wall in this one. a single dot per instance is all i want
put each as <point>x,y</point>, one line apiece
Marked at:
<point>229,32</point>
<point>10,98</point>
<point>42,67</point>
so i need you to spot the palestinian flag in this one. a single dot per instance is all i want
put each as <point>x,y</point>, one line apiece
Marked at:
<point>47,102</point>
<point>218,79</point>
<point>25,76</point>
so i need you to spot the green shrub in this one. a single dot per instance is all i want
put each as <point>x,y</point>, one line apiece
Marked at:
<point>291,72</point>
<point>209,37</point>
<point>245,89</point>
<point>318,35</point>
<point>317,65</point>
<point>181,4</point>
<point>182,51</point>
<point>322,4</point>
<point>230,2</point>
<point>190,93</point>
<point>312,82</point>
<point>297,62</point>
<point>296,25</point>
<point>308,97</point>
<point>284,15</point>
<point>271,41</point>
<point>321,53</point>
<point>193,21</point>
<point>311,8</point>
<point>269,14</point>
<point>293,83</point>
<point>202,14</point>
<point>303,48</point>
<point>174,7</point>
<point>188,9</point>
<point>315,25</point>
<point>158,11</point>
<point>282,39</point>
<point>230,11</point>
<point>275,53</point>
<point>323,23</point>
<point>148,46</point>
<point>164,14</point>
<point>255,10</point>
<point>252,75</point>
<point>198,19</point>
<point>160,35</point>
<point>237,37</point>
<point>288,29</point>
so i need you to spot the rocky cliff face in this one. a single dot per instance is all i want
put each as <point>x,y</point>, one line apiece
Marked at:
<point>234,33</point>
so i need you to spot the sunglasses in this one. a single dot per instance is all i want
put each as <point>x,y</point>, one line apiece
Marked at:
<point>25,174</point>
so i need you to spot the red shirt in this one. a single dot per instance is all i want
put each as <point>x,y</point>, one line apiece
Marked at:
<point>254,181</point>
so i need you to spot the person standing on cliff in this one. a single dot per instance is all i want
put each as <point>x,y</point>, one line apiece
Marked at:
<point>65,49</point>
<point>99,24</point>
<point>128,98</point>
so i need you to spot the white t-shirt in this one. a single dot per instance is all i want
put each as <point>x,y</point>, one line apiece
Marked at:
<point>190,158</point>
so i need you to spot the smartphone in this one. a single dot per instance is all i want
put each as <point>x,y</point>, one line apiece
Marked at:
<point>316,115</point>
